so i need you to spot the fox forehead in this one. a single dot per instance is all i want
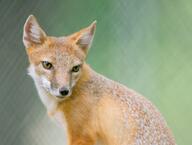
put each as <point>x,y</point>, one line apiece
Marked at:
<point>59,50</point>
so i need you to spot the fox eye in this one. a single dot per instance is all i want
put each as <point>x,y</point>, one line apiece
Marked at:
<point>47,65</point>
<point>76,68</point>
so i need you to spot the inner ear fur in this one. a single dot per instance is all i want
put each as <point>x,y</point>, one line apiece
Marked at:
<point>83,39</point>
<point>33,34</point>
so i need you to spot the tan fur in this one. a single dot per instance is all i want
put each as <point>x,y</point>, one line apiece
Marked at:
<point>99,110</point>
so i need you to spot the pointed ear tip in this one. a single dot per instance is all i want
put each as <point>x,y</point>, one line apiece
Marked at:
<point>31,15</point>
<point>31,18</point>
<point>94,23</point>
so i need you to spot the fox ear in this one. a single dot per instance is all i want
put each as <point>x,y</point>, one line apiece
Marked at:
<point>84,38</point>
<point>32,33</point>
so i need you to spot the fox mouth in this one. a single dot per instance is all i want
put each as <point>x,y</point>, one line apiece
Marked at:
<point>63,96</point>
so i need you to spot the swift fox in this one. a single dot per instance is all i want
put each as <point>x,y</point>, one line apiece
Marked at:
<point>94,109</point>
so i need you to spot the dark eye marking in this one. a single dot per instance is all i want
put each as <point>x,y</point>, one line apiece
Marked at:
<point>76,68</point>
<point>47,65</point>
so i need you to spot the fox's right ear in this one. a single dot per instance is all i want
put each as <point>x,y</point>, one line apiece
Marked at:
<point>33,34</point>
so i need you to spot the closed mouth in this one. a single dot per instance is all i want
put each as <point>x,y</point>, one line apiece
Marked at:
<point>61,97</point>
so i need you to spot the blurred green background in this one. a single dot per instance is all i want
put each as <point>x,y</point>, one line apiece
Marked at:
<point>144,44</point>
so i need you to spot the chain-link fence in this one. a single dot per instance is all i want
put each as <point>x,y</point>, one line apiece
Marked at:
<point>143,44</point>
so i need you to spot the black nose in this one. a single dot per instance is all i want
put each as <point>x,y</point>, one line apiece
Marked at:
<point>63,91</point>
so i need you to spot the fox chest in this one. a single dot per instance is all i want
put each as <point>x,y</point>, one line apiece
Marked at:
<point>58,118</point>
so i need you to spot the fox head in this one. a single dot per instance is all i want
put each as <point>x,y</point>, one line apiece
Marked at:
<point>56,63</point>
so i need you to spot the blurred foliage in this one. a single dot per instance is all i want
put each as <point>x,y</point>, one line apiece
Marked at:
<point>143,44</point>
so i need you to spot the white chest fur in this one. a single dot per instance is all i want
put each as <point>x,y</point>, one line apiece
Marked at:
<point>58,118</point>
<point>48,100</point>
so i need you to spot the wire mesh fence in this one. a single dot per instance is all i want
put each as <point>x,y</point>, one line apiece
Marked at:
<point>145,45</point>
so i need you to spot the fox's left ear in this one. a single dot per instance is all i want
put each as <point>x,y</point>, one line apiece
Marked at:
<point>85,37</point>
<point>33,34</point>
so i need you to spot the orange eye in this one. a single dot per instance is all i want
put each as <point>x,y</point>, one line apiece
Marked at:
<point>47,65</point>
<point>76,68</point>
